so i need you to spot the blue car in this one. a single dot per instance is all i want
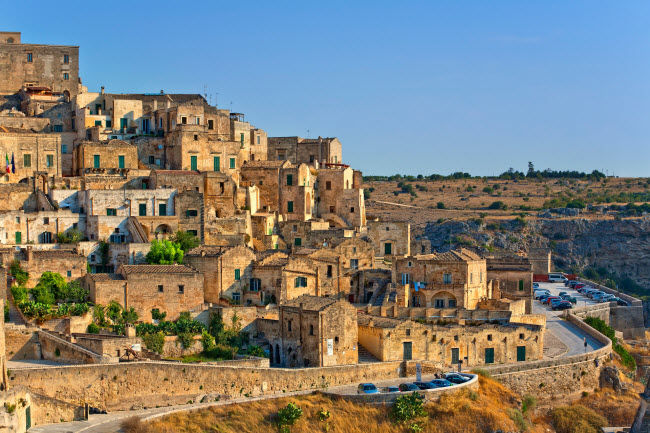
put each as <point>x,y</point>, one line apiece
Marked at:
<point>390,389</point>
<point>367,388</point>
<point>441,383</point>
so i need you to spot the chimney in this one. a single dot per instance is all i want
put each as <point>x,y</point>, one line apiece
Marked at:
<point>162,92</point>
<point>102,90</point>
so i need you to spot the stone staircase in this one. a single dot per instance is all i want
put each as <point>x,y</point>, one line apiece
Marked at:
<point>136,230</point>
<point>377,299</point>
<point>14,315</point>
<point>365,357</point>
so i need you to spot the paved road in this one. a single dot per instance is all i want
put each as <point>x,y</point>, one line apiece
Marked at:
<point>570,335</point>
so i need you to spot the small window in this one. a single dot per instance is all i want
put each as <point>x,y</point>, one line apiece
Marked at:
<point>111,211</point>
<point>64,148</point>
<point>289,325</point>
<point>191,213</point>
<point>446,278</point>
<point>181,288</point>
<point>311,327</point>
<point>30,57</point>
<point>66,59</point>
<point>198,120</point>
<point>142,209</point>
<point>352,210</point>
<point>300,282</point>
<point>289,179</point>
<point>451,303</point>
<point>96,161</point>
<point>328,185</point>
<point>120,161</point>
<point>297,242</point>
<point>57,128</point>
<point>237,274</point>
<point>409,264</point>
<point>332,209</point>
<point>289,206</point>
<point>184,120</point>
<point>354,263</point>
<point>329,271</point>
<point>489,337</point>
<point>455,337</point>
<point>27,160</point>
<point>336,340</point>
<point>152,159</point>
<point>196,137</point>
<point>521,285</point>
<point>521,336</point>
<point>216,163</point>
<point>232,163</point>
<point>18,220</point>
<point>258,139</point>
<point>295,228</point>
<point>408,332</point>
<point>49,161</point>
<point>68,273</point>
<point>46,220</point>
<point>210,124</point>
<point>66,76</point>
<point>439,303</point>
<point>160,288</point>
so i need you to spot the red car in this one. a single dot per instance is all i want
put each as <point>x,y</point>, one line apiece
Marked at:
<point>550,298</point>
<point>577,286</point>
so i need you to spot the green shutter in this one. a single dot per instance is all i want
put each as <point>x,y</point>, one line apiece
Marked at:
<point>120,161</point>
<point>96,161</point>
<point>123,123</point>
<point>162,209</point>
<point>193,163</point>
<point>489,355</point>
<point>388,248</point>
<point>521,285</point>
<point>19,238</point>
<point>142,209</point>
<point>98,123</point>
<point>455,355</point>
<point>217,163</point>
<point>232,162</point>
<point>27,160</point>
<point>521,353</point>
<point>297,242</point>
<point>289,179</point>
<point>49,161</point>
<point>237,275</point>
<point>290,206</point>
<point>241,138</point>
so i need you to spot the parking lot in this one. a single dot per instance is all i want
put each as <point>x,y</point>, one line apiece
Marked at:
<point>572,337</point>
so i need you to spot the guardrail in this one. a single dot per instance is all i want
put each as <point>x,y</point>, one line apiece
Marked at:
<point>624,296</point>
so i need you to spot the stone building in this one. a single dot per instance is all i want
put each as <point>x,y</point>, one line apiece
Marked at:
<point>393,339</point>
<point>296,191</point>
<point>68,263</point>
<point>27,65</point>
<point>455,279</point>
<point>515,277</point>
<point>169,288</point>
<point>540,259</point>
<point>107,157</point>
<point>315,332</point>
<point>390,238</point>
<point>227,271</point>
<point>305,150</point>
<point>266,175</point>
<point>339,197</point>
<point>31,152</point>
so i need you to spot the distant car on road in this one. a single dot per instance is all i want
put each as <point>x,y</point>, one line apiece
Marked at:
<point>456,378</point>
<point>404,387</point>
<point>562,305</point>
<point>390,389</point>
<point>367,388</point>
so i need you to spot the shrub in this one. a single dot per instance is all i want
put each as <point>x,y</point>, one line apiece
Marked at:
<point>254,350</point>
<point>165,253</point>
<point>71,236</point>
<point>518,418</point>
<point>440,205</point>
<point>488,190</point>
<point>602,327</point>
<point>498,205</point>
<point>528,403</point>
<point>407,407</point>
<point>18,273</point>
<point>288,416</point>
<point>154,342</point>
<point>93,329</point>
<point>207,341</point>
<point>20,294</point>
<point>186,339</point>
<point>576,419</point>
<point>482,372</point>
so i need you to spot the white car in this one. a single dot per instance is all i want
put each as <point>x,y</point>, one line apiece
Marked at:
<point>556,278</point>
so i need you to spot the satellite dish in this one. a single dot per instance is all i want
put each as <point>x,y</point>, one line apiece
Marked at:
<point>160,146</point>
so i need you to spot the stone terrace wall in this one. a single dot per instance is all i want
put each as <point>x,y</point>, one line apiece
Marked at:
<point>125,385</point>
<point>55,348</point>
<point>600,311</point>
<point>22,343</point>
<point>564,376</point>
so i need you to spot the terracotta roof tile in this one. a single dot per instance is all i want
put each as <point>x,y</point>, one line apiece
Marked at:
<point>157,269</point>
<point>105,277</point>
<point>310,303</point>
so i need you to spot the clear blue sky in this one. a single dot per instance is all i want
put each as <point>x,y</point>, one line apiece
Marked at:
<point>408,87</point>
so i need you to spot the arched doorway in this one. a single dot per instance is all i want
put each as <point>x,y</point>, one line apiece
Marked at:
<point>163,231</point>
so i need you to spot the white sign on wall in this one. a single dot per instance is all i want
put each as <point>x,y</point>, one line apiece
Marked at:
<point>330,347</point>
<point>136,347</point>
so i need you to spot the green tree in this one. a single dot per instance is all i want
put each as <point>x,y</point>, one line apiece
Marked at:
<point>76,293</point>
<point>18,273</point>
<point>71,236</point>
<point>54,283</point>
<point>129,316</point>
<point>114,311</point>
<point>287,416</point>
<point>164,253</point>
<point>408,407</point>
<point>185,240</point>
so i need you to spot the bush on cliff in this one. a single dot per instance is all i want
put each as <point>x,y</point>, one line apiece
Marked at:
<point>576,419</point>
<point>598,324</point>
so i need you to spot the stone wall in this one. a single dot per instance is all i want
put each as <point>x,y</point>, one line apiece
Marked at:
<point>121,386</point>
<point>55,348</point>
<point>21,343</point>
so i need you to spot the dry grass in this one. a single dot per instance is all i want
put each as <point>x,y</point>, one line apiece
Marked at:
<point>465,412</point>
<point>618,409</point>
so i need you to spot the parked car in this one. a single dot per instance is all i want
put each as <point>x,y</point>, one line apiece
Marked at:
<point>543,298</point>
<point>569,298</point>
<point>556,278</point>
<point>562,305</point>
<point>574,283</point>
<point>390,389</point>
<point>579,286</point>
<point>424,385</point>
<point>535,285</point>
<point>550,298</point>
<point>456,378</point>
<point>367,388</point>
<point>404,387</point>
<point>441,383</point>
<point>597,296</point>
<point>621,302</point>
<point>539,293</point>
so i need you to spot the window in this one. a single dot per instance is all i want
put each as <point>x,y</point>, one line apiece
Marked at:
<point>160,288</point>
<point>68,273</point>
<point>66,59</point>
<point>455,337</point>
<point>216,163</point>
<point>289,325</point>
<point>57,128</point>
<point>300,282</point>
<point>181,288</point>
<point>237,274</point>
<point>232,162</point>
<point>409,264</point>
<point>124,123</point>
<point>455,355</point>
<point>193,162</point>
<point>142,209</point>
<point>388,248</point>
<point>49,161</point>
<point>196,137</point>
<point>289,179</point>
<point>294,228</point>
<point>111,211</point>
<point>198,120</point>
<point>30,58</point>
<point>471,277</point>
<point>191,213</point>
<point>46,220</point>
<point>439,303</point>
<point>489,337</point>
<point>27,160</point>
<point>151,159</point>
<point>311,329</point>
<point>241,138</point>
<point>98,123</point>
<point>109,124</point>
<point>446,278</point>
<point>354,263</point>
<point>255,284</point>
<point>405,278</point>
<point>408,332</point>
<point>17,220</point>
<point>352,209</point>
<point>521,285</point>
<point>64,148</point>
<point>521,336</point>
<point>120,161</point>
<point>258,139</point>
<point>210,124</point>
<point>328,185</point>
<point>95,161</point>
<point>162,209</point>
<point>66,76</point>
<point>184,120</point>
<point>193,232</point>
<point>290,206</point>
<point>489,355</point>
<point>332,209</point>
<point>236,297</point>
<point>297,242</point>
<point>329,271</point>
<point>19,237</point>
<point>452,303</point>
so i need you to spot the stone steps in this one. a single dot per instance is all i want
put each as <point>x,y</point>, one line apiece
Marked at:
<point>365,357</point>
